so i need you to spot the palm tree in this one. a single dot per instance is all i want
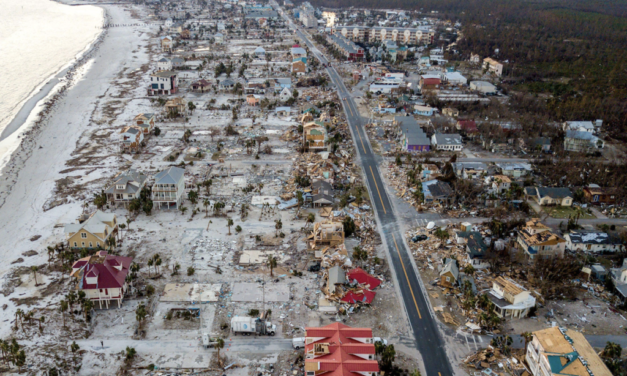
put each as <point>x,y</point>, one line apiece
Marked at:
<point>71,298</point>
<point>122,227</point>
<point>157,262</point>
<point>128,223</point>
<point>63,307</point>
<point>183,209</point>
<point>311,218</point>
<point>278,225</point>
<point>18,317</point>
<point>35,268</point>
<point>150,264</point>
<point>111,243</point>
<point>87,306</point>
<point>612,350</point>
<point>42,319</point>
<point>50,254</point>
<point>206,204</point>
<point>527,337</point>
<point>229,223</point>
<point>219,345</point>
<point>272,262</point>
<point>74,347</point>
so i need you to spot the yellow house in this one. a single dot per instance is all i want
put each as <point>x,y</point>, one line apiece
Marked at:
<point>93,232</point>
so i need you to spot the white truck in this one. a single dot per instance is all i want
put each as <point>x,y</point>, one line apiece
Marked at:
<point>298,343</point>
<point>251,325</point>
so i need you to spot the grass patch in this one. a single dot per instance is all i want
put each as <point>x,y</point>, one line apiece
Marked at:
<point>566,211</point>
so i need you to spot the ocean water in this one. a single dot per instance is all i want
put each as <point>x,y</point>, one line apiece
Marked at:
<point>38,38</point>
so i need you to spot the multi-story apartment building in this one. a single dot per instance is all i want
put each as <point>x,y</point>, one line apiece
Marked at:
<point>404,35</point>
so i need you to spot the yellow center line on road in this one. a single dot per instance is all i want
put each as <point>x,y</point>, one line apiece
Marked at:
<point>407,277</point>
<point>376,185</point>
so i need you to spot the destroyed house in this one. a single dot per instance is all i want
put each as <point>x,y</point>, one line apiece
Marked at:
<point>322,170</point>
<point>339,350</point>
<point>437,191</point>
<point>126,187</point>
<point>557,351</point>
<point>314,136</point>
<point>510,299</point>
<point>337,276</point>
<point>102,277</point>
<point>327,234</point>
<point>358,276</point>
<point>592,241</point>
<point>537,240</point>
<point>470,170</point>
<point>201,86</point>
<point>145,121</point>
<point>476,250</point>
<point>597,195</point>
<point>449,273</point>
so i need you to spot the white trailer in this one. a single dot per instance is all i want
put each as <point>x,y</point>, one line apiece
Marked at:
<point>250,325</point>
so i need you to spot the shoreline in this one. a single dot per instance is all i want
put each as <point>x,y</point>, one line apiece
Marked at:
<point>34,113</point>
<point>46,86</point>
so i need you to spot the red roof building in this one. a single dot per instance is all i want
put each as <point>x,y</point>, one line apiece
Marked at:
<point>102,277</point>
<point>468,126</point>
<point>366,297</point>
<point>339,350</point>
<point>363,278</point>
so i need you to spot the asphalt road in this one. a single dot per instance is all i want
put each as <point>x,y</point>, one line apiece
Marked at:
<point>428,338</point>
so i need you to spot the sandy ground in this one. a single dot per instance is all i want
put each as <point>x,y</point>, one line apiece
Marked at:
<point>22,215</point>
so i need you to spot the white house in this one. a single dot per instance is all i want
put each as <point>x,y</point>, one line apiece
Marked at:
<point>169,187</point>
<point>285,95</point>
<point>582,126</point>
<point>451,142</point>
<point>592,241</point>
<point>510,299</point>
<point>498,183</point>
<point>164,64</point>
<point>455,78</point>
<point>219,38</point>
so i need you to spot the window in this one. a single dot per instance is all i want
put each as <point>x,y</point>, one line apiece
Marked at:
<point>91,245</point>
<point>448,279</point>
<point>75,244</point>
<point>82,244</point>
<point>84,235</point>
<point>98,244</point>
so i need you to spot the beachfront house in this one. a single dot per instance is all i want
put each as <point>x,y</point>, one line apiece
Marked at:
<point>167,43</point>
<point>164,82</point>
<point>169,187</point>
<point>126,187</point>
<point>102,277</point>
<point>91,232</point>
<point>131,138</point>
<point>145,121</point>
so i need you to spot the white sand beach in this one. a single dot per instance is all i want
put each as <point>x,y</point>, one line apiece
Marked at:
<point>28,180</point>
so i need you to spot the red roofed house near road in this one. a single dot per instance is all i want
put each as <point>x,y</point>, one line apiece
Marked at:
<point>102,277</point>
<point>363,278</point>
<point>339,350</point>
<point>468,126</point>
<point>366,297</point>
